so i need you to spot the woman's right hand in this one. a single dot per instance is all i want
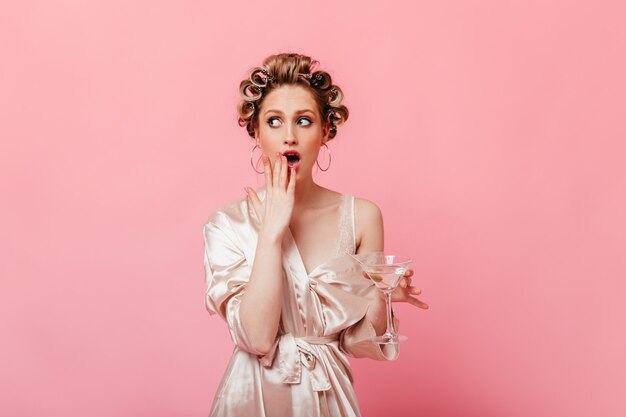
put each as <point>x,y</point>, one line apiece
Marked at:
<point>275,211</point>
<point>261,306</point>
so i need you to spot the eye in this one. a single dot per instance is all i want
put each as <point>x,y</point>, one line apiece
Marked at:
<point>273,121</point>
<point>306,121</point>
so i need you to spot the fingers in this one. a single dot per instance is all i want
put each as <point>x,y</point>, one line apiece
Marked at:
<point>408,296</point>
<point>284,166</point>
<point>417,303</point>
<point>415,291</point>
<point>267,166</point>
<point>291,187</point>
<point>254,199</point>
<point>414,301</point>
<point>278,162</point>
<point>276,175</point>
<point>406,280</point>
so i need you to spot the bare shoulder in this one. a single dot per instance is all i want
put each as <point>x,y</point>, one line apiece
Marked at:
<point>368,224</point>
<point>366,209</point>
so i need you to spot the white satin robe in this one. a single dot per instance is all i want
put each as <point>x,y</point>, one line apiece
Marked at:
<point>322,320</point>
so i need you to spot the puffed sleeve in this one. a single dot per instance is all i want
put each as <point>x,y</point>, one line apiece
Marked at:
<point>226,274</point>
<point>343,296</point>
<point>355,341</point>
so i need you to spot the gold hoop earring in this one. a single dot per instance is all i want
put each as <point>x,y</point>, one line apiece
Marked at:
<point>329,159</point>
<point>254,166</point>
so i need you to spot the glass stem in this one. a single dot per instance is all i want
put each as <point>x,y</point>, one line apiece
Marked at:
<point>390,330</point>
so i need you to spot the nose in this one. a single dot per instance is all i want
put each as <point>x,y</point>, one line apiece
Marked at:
<point>290,137</point>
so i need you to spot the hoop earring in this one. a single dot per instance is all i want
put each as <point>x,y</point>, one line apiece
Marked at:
<point>329,160</point>
<point>257,161</point>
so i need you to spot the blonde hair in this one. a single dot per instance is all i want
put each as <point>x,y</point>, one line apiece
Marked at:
<point>290,69</point>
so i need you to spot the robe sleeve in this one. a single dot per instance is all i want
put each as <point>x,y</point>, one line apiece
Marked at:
<point>344,297</point>
<point>355,341</point>
<point>227,272</point>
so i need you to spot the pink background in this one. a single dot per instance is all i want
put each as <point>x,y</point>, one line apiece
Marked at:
<point>491,134</point>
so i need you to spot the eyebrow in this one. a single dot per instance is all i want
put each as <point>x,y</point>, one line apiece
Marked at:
<point>297,112</point>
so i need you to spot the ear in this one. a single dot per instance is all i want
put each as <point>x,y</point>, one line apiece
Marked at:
<point>325,132</point>
<point>256,133</point>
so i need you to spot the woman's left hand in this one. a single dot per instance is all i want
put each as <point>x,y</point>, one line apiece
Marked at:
<point>405,292</point>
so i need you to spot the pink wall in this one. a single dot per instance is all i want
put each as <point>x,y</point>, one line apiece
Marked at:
<point>491,133</point>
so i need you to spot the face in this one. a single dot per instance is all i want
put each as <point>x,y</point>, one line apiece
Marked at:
<point>290,123</point>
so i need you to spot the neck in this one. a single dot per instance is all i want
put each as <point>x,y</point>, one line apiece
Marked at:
<point>306,192</point>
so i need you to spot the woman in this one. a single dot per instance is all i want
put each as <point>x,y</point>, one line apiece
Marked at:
<point>277,263</point>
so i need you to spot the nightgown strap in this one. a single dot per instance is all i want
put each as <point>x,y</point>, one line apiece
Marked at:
<point>346,241</point>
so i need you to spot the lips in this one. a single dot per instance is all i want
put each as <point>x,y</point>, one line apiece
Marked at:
<point>293,158</point>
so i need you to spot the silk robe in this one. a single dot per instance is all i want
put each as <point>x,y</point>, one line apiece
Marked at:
<point>306,373</point>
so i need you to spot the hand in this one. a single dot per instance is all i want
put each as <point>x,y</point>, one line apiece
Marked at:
<point>276,210</point>
<point>404,292</point>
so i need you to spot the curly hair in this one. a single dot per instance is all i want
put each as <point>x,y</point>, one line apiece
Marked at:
<point>290,69</point>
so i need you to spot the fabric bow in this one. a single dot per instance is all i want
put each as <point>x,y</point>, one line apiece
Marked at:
<point>293,352</point>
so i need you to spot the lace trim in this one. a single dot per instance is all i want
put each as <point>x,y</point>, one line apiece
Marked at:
<point>345,241</point>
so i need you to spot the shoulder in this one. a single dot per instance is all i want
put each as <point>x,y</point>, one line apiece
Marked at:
<point>366,210</point>
<point>368,224</point>
<point>233,211</point>
<point>223,228</point>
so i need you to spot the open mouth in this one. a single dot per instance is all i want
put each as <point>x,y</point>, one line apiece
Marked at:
<point>293,158</point>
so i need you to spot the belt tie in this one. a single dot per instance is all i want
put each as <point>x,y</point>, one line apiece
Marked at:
<point>297,351</point>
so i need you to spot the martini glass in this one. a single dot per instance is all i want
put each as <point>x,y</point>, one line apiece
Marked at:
<point>386,271</point>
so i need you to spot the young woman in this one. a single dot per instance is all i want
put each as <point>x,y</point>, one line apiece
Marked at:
<point>277,264</point>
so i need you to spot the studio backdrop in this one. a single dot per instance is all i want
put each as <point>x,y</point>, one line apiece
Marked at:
<point>490,133</point>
